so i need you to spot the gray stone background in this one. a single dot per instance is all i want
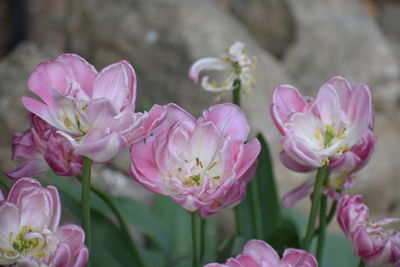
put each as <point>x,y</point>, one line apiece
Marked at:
<point>301,42</point>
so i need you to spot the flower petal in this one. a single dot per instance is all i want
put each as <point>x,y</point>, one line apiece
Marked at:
<point>117,83</point>
<point>100,146</point>
<point>298,257</point>
<point>297,194</point>
<point>261,251</point>
<point>229,119</point>
<point>83,71</point>
<point>207,63</point>
<point>29,168</point>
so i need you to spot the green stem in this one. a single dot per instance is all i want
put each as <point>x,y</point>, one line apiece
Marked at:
<point>5,184</point>
<point>85,199</point>
<point>122,223</point>
<point>361,263</point>
<point>322,222</point>
<point>195,240</point>
<point>322,172</point>
<point>203,227</point>
<point>236,100</point>
<point>236,92</point>
<point>330,216</point>
<point>255,212</point>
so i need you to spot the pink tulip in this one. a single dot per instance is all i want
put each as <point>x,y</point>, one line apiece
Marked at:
<point>375,242</point>
<point>235,63</point>
<point>316,131</point>
<point>43,149</point>
<point>94,111</point>
<point>335,129</point>
<point>30,234</point>
<point>257,253</point>
<point>201,164</point>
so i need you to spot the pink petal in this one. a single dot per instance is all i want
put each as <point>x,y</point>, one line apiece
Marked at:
<point>360,111</point>
<point>144,166</point>
<point>83,71</point>
<point>175,114</point>
<point>294,165</point>
<point>286,100</point>
<point>229,119</point>
<point>343,90</point>
<point>72,235</point>
<point>19,186</point>
<point>48,76</point>
<point>261,251</point>
<point>41,110</point>
<point>251,150</point>
<point>205,141</point>
<point>9,223</point>
<point>300,152</point>
<point>117,83</point>
<point>328,105</point>
<point>100,112</point>
<point>150,122</point>
<point>29,168</point>
<point>55,208</point>
<point>100,146</point>
<point>298,257</point>
<point>297,194</point>
<point>62,256</point>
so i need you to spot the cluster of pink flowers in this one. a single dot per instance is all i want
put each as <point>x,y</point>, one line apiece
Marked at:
<point>94,111</point>
<point>30,234</point>
<point>201,164</point>
<point>257,253</point>
<point>375,242</point>
<point>334,129</point>
<point>204,164</point>
<point>43,149</point>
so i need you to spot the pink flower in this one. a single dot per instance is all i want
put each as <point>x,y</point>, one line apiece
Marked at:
<point>201,164</point>
<point>335,128</point>
<point>43,149</point>
<point>235,63</point>
<point>94,111</point>
<point>257,253</point>
<point>375,242</point>
<point>29,229</point>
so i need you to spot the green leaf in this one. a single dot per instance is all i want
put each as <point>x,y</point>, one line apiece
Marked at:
<point>134,212</point>
<point>177,221</point>
<point>244,217</point>
<point>267,191</point>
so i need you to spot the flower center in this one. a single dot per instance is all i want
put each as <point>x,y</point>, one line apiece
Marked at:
<point>192,173</point>
<point>329,136</point>
<point>25,245</point>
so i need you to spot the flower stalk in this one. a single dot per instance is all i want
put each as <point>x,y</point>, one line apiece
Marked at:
<point>236,92</point>
<point>322,221</point>
<point>321,176</point>
<point>85,200</point>
<point>195,241</point>
<point>121,221</point>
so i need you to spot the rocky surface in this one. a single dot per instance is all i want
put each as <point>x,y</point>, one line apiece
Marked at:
<point>270,22</point>
<point>14,72</point>
<point>340,37</point>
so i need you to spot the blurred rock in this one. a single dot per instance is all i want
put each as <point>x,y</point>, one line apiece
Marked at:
<point>48,23</point>
<point>162,38</point>
<point>339,37</point>
<point>269,21</point>
<point>388,20</point>
<point>14,72</point>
